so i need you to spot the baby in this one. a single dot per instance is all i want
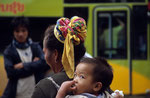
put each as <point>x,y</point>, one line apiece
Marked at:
<point>91,78</point>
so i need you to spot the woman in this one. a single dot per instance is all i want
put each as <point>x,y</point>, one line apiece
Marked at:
<point>63,48</point>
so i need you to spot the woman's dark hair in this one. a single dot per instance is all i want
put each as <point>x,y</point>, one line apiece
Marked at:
<point>53,43</point>
<point>102,71</point>
<point>20,21</point>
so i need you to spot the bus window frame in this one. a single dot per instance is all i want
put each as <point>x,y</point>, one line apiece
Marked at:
<point>113,17</point>
<point>115,8</point>
<point>109,9</point>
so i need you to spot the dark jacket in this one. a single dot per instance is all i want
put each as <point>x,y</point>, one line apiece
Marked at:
<point>11,57</point>
<point>46,89</point>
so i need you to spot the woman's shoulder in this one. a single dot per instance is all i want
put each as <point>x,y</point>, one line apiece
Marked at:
<point>60,77</point>
<point>44,88</point>
<point>47,87</point>
<point>45,84</point>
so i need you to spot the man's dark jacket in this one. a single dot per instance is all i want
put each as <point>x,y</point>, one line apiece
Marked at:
<point>11,57</point>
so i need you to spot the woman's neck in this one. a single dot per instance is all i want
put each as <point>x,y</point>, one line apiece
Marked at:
<point>59,68</point>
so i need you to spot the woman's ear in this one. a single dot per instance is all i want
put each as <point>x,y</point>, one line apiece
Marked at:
<point>97,86</point>
<point>55,53</point>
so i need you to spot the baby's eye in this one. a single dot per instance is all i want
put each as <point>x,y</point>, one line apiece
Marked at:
<point>82,77</point>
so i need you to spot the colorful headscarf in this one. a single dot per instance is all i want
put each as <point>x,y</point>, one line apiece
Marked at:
<point>70,32</point>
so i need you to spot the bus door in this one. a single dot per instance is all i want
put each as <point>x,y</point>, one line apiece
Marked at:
<point>111,37</point>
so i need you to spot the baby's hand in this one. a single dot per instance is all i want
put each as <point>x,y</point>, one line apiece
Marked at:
<point>68,86</point>
<point>118,94</point>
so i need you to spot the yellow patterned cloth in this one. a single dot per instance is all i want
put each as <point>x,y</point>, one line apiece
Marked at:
<point>70,32</point>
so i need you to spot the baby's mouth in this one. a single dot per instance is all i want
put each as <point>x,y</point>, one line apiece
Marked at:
<point>74,91</point>
<point>73,85</point>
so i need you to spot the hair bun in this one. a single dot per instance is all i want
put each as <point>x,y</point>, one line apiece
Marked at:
<point>78,24</point>
<point>76,27</point>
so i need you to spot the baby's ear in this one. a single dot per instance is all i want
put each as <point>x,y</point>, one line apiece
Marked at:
<point>97,86</point>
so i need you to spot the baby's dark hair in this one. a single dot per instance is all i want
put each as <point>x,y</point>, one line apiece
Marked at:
<point>20,21</point>
<point>52,43</point>
<point>102,71</point>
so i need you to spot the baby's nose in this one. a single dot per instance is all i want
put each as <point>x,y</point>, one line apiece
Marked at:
<point>75,79</point>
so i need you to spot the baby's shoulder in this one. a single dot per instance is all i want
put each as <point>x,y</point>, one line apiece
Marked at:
<point>76,96</point>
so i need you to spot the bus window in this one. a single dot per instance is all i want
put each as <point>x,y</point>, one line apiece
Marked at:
<point>139,42</point>
<point>111,39</point>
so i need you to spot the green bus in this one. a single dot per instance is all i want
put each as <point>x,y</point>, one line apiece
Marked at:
<point>118,30</point>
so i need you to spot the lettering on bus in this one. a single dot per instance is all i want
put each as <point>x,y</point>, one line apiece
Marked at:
<point>14,7</point>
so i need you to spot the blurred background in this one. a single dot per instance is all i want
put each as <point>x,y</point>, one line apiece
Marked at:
<point>118,30</point>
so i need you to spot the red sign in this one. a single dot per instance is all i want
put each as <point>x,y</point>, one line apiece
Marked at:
<point>14,7</point>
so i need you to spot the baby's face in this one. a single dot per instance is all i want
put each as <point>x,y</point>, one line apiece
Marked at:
<point>83,79</point>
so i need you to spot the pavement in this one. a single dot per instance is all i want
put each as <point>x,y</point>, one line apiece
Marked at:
<point>137,96</point>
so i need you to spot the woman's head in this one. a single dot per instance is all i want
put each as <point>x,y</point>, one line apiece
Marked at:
<point>55,41</point>
<point>20,28</point>
<point>97,72</point>
<point>53,49</point>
